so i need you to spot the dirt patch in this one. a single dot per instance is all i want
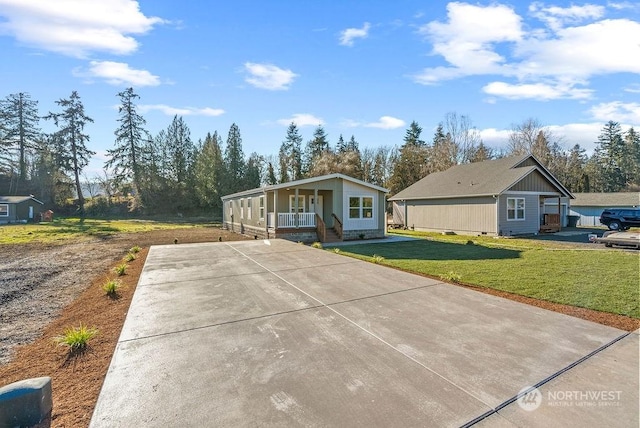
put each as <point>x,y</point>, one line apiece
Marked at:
<point>46,289</point>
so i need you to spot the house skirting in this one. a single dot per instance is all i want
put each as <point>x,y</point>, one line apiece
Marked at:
<point>291,234</point>
<point>352,235</point>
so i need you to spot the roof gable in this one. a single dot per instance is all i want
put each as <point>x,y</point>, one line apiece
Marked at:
<point>306,181</point>
<point>492,177</point>
<point>18,199</point>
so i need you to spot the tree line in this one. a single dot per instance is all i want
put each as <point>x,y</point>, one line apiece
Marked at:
<point>169,172</point>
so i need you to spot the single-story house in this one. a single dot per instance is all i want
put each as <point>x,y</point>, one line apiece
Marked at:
<point>509,196</point>
<point>326,208</point>
<point>19,209</point>
<point>588,206</point>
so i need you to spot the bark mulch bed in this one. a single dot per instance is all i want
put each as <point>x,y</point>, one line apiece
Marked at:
<point>77,379</point>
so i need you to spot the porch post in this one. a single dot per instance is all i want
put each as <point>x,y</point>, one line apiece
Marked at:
<point>295,205</point>
<point>275,209</point>
<point>559,213</point>
<point>315,200</point>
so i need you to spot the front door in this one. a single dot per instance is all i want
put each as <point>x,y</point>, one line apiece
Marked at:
<point>312,206</point>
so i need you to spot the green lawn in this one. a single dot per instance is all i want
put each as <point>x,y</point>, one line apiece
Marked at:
<point>604,280</point>
<point>62,230</point>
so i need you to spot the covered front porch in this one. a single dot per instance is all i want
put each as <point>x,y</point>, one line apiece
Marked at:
<point>301,212</point>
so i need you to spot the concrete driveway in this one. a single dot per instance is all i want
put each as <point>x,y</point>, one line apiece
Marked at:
<point>272,333</point>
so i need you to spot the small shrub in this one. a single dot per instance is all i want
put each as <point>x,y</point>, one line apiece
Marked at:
<point>111,287</point>
<point>120,269</point>
<point>361,236</point>
<point>336,250</point>
<point>451,277</point>
<point>76,338</point>
<point>470,242</point>
<point>129,257</point>
<point>377,259</point>
<point>317,245</point>
<point>135,249</point>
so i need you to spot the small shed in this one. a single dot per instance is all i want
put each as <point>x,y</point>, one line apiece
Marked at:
<point>19,209</point>
<point>328,208</point>
<point>588,206</point>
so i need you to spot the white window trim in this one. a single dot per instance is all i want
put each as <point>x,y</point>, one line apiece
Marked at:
<point>249,208</point>
<point>241,208</point>
<point>292,203</point>
<point>261,208</point>
<point>524,209</point>
<point>7,210</point>
<point>361,207</point>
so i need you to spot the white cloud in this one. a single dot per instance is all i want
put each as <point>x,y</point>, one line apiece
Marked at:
<point>76,27</point>
<point>467,40</point>
<point>549,62</point>
<point>301,119</point>
<point>617,111</point>
<point>536,91</point>
<point>633,88</point>
<point>181,111</point>
<point>386,122</point>
<point>348,36</point>
<point>268,76</point>
<point>118,74</point>
<point>557,17</point>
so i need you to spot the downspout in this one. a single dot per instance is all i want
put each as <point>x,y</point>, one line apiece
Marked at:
<point>497,203</point>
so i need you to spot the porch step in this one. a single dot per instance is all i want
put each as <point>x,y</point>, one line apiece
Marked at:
<point>331,236</point>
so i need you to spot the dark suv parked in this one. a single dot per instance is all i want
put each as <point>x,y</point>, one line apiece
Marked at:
<point>620,219</point>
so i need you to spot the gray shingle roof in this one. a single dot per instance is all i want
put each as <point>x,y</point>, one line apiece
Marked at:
<point>608,200</point>
<point>16,199</point>
<point>475,179</point>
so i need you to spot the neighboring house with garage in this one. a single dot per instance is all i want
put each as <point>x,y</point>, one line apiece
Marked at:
<point>588,206</point>
<point>19,209</point>
<point>502,197</point>
<point>332,207</point>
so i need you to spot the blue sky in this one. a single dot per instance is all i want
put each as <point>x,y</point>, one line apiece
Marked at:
<point>366,68</point>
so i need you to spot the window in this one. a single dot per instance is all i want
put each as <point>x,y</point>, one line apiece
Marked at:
<point>249,209</point>
<point>292,204</point>
<point>515,208</point>
<point>241,208</point>
<point>261,211</point>
<point>4,210</point>
<point>361,207</point>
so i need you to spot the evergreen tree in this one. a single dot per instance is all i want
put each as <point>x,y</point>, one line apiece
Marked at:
<point>632,164</point>
<point>314,149</point>
<point>19,131</point>
<point>271,174</point>
<point>253,171</point>
<point>575,170</point>
<point>234,162</point>
<point>412,162</point>
<point>443,152</point>
<point>341,146</point>
<point>208,172</point>
<point>126,156</point>
<point>72,150</point>
<point>610,157</point>
<point>290,155</point>
<point>412,136</point>
<point>481,153</point>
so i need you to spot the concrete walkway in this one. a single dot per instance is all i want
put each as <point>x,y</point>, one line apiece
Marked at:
<point>272,333</point>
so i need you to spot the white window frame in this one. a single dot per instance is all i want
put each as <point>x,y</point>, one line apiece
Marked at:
<point>241,208</point>
<point>261,208</point>
<point>249,208</point>
<point>5,212</point>
<point>516,209</point>
<point>230,210</point>
<point>361,208</point>
<point>292,205</point>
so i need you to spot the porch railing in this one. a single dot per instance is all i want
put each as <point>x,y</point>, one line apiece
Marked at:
<point>321,230</point>
<point>296,220</point>
<point>337,225</point>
